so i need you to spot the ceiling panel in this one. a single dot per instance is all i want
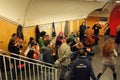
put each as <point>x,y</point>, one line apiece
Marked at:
<point>35,12</point>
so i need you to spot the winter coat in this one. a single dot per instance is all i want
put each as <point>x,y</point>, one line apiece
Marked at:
<point>82,69</point>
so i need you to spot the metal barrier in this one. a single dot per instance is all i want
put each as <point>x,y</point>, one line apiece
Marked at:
<point>23,68</point>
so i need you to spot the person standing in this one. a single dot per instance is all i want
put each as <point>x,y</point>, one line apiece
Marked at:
<point>64,53</point>
<point>82,68</point>
<point>96,27</point>
<point>117,40</point>
<point>107,31</point>
<point>41,39</point>
<point>49,55</point>
<point>14,47</point>
<point>82,29</point>
<point>109,53</point>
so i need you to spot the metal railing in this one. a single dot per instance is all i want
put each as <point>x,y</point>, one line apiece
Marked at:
<point>23,68</point>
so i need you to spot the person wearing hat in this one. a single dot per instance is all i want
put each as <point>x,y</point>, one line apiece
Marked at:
<point>82,68</point>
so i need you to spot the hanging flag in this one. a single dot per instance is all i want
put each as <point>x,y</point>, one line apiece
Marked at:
<point>19,32</point>
<point>53,30</point>
<point>37,33</point>
<point>66,29</point>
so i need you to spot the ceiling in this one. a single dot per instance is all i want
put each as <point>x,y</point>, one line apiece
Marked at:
<point>35,12</point>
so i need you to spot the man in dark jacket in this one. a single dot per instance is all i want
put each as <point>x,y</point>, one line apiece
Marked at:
<point>48,55</point>
<point>96,27</point>
<point>82,29</point>
<point>82,68</point>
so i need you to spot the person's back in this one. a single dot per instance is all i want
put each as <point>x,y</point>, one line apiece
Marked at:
<point>82,69</point>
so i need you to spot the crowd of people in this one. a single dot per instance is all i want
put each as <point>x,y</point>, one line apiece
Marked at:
<point>72,55</point>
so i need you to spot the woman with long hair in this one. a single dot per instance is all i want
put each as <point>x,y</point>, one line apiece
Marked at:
<point>109,53</point>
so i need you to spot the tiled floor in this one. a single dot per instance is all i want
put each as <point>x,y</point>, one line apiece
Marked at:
<point>97,63</point>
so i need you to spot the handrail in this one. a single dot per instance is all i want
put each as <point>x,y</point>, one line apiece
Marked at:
<point>19,68</point>
<point>24,57</point>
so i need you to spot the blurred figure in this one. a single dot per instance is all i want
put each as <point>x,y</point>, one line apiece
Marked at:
<point>14,47</point>
<point>59,40</point>
<point>117,41</point>
<point>72,35</point>
<point>109,53</point>
<point>49,53</point>
<point>33,49</point>
<point>82,29</point>
<point>11,42</point>
<point>64,53</point>
<point>31,43</point>
<point>41,39</point>
<point>34,52</point>
<point>107,31</point>
<point>96,27</point>
<point>75,44</point>
<point>82,68</point>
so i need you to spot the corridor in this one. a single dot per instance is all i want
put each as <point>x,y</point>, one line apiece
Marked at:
<point>97,63</point>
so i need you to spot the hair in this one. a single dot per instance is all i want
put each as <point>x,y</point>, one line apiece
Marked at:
<point>14,34</point>
<point>84,22</point>
<point>81,52</point>
<point>108,48</point>
<point>107,23</point>
<point>43,33</point>
<point>68,40</point>
<point>31,38</point>
<point>47,42</point>
<point>118,28</point>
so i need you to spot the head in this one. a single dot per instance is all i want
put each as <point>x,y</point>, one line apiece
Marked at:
<point>14,35</point>
<point>107,24</point>
<point>108,47</point>
<point>77,39</point>
<point>46,37</point>
<point>19,27</point>
<point>61,34</point>
<point>48,43</point>
<point>83,23</point>
<point>42,34</point>
<point>31,39</point>
<point>82,52</point>
<point>69,41</point>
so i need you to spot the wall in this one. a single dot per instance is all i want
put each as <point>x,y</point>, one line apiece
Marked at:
<point>7,29</point>
<point>91,20</point>
<point>114,19</point>
<point>27,32</point>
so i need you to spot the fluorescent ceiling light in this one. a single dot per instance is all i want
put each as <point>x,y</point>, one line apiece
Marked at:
<point>117,1</point>
<point>99,0</point>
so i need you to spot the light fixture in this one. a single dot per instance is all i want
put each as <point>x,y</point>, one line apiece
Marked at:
<point>117,1</point>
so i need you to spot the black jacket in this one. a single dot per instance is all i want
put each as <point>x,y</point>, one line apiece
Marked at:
<point>82,69</point>
<point>47,56</point>
<point>96,29</point>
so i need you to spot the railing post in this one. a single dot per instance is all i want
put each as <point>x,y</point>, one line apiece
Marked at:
<point>5,68</point>
<point>56,74</point>
<point>33,69</point>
